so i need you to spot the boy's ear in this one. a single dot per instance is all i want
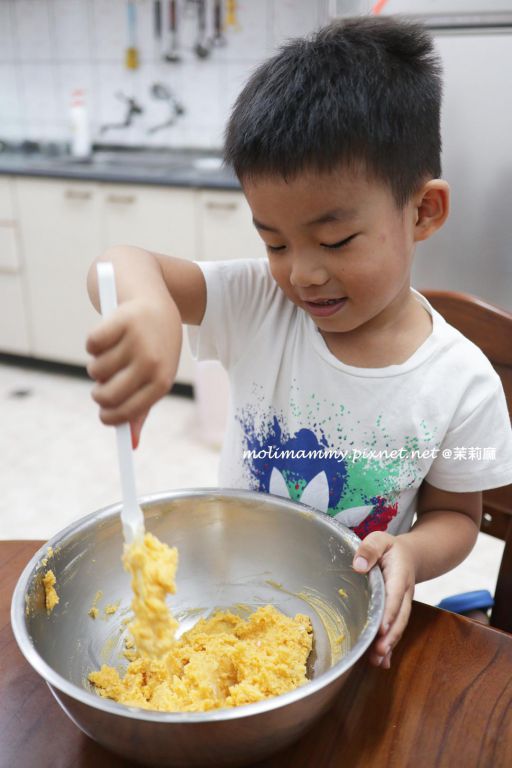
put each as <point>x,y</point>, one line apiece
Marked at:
<point>431,207</point>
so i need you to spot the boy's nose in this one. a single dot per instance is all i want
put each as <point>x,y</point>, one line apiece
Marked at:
<point>305,272</point>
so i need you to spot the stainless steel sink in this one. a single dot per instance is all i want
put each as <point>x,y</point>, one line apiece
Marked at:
<point>208,163</point>
<point>194,164</point>
<point>144,158</point>
<point>163,160</point>
<point>120,159</point>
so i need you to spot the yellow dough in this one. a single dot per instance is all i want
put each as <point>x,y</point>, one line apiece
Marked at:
<point>223,661</point>
<point>152,565</point>
<point>51,596</point>
<point>93,610</point>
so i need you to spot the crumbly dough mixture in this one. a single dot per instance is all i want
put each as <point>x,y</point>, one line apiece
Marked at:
<point>93,610</point>
<point>223,661</point>
<point>49,554</point>
<point>51,596</point>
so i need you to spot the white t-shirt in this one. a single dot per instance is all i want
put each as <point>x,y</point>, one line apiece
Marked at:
<point>353,442</point>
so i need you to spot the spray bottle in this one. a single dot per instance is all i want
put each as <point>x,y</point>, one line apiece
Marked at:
<point>80,131</point>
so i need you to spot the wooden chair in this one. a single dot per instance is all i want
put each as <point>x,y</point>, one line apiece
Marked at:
<point>490,328</point>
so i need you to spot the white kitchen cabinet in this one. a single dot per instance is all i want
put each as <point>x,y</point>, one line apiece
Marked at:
<point>160,219</point>
<point>60,234</point>
<point>14,336</point>
<point>226,228</point>
<point>226,232</point>
<point>64,225</point>
<point>9,247</point>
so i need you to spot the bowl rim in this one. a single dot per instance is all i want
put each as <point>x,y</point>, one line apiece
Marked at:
<point>82,695</point>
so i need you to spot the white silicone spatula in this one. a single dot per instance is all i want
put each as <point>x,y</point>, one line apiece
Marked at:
<point>131,514</point>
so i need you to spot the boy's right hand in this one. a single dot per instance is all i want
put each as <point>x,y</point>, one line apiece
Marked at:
<point>135,357</point>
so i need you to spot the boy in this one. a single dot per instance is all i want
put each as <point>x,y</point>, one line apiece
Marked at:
<point>348,390</point>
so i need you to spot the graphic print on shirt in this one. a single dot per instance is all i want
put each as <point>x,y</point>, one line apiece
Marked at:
<point>363,493</point>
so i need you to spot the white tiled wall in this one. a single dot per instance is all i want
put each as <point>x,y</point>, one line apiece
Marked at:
<point>50,47</point>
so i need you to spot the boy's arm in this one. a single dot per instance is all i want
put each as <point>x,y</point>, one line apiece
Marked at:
<point>444,534</point>
<point>136,351</point>
<point>445,531</point>
<point>140,273</point>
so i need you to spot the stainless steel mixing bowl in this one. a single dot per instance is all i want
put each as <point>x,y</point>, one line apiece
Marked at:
<point>237,550</point>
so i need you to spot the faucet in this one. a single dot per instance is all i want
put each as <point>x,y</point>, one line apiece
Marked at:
<point>133,109</point>
<point>163,93</point>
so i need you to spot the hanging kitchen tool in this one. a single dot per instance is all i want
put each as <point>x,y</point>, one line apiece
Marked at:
<point>157,24</point>
<point>131,57</point>
<point>173,55</point>
<point>231,15</point>
<point>202,46</point>
<point>218,38</point>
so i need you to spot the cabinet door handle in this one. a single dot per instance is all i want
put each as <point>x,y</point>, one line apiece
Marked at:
<point>214,205</point>
<point>78,194</point>
<point>122,199</point>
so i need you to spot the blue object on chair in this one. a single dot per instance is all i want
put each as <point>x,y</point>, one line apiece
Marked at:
<point>480,599</point>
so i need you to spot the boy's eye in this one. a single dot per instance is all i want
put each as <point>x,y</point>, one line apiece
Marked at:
<point>331,246</point>
<point>341,243</point>
<point>275,248</point>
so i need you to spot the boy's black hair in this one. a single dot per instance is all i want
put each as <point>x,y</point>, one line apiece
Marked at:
<point>366,89</point>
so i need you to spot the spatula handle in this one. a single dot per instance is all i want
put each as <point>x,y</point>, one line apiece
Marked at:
<point>131,515</point>
<point>107,287</point>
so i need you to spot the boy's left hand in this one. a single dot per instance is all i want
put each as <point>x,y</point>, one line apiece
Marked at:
<point>395,559</point>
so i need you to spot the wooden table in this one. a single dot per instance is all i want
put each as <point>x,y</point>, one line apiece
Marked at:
<point>446,701</point>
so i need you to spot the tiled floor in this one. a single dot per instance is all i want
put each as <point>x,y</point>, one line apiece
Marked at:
<point>58,463</point>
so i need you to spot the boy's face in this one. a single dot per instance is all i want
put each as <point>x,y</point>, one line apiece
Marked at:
<point>337,244</point>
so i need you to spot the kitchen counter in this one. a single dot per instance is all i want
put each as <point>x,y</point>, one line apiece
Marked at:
<point>187,168</point>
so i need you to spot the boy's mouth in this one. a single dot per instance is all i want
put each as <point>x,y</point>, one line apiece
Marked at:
<point>325,307</point>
